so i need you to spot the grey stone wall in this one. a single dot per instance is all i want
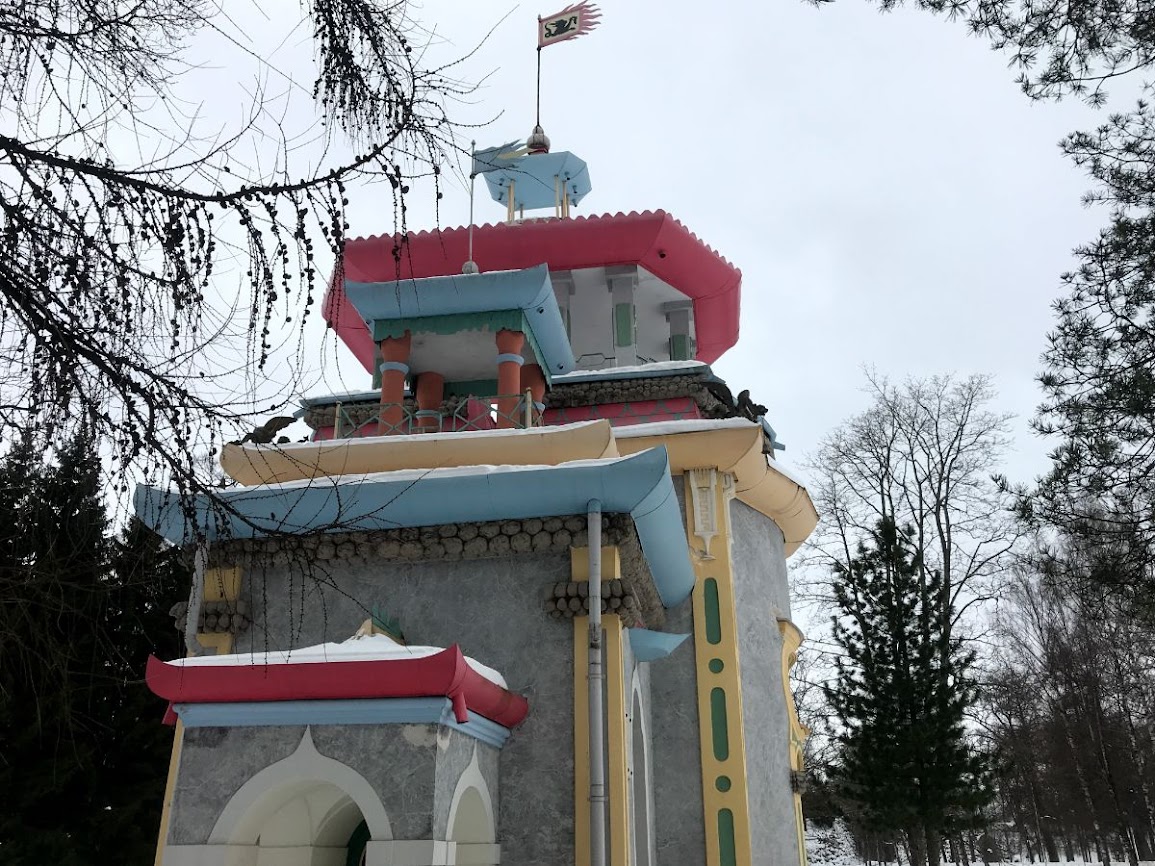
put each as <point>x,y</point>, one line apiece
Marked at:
<point>761,596</point>
<point>679,834</point>
<point>569,394</point>
<point>316,555</point>
<point>414,770</point>
<point>492,608</point>
<point>679,831</point>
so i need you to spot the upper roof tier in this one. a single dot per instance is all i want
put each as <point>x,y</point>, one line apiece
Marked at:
<point>653,242</point>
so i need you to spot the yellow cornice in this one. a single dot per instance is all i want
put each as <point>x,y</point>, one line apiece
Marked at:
<point>734,449</point>
<point>543,446</point>
<point>738,450</point>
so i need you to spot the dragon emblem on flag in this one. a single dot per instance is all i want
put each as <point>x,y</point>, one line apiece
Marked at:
<point>569,23</point>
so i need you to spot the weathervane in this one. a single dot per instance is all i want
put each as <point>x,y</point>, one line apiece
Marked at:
<point>570,23</point>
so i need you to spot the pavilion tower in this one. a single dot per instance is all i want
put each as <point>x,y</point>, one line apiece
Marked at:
<point>539,420</point>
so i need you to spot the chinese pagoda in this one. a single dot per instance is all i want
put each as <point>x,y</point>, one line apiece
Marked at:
<point>523,600</point>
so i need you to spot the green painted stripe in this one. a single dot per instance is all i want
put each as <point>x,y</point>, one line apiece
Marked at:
<point>713,619</point>
<point>727,853</point>
<point>679,347</point>
<point>623,324</point>
<point>718,724</point>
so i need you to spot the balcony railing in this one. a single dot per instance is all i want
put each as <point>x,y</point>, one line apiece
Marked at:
<point>512,411</point>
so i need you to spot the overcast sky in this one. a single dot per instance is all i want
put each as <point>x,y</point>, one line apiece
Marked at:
<point>890,195</point>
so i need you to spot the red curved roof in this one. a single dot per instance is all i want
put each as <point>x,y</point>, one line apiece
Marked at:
<point>653,240</point>
<point>444,674</point>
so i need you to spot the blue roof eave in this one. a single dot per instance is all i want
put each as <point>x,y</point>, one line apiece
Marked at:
<point>639,485</point>
<point>529,291</point>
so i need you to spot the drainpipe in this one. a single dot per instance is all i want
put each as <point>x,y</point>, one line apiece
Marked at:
<point>596,677</point>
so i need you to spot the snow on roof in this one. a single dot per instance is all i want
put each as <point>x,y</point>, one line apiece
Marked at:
<point>340,397</point>
<point>697,425</point>
<point>359,648</point>
<point>416,475</point>
<point>657,368</point>
<point>685,425</point>
<point>793,474</point>
<point>361,441</point>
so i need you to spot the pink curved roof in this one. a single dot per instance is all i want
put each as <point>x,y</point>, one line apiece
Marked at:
<point>444,674</point>
<point>653,240</point>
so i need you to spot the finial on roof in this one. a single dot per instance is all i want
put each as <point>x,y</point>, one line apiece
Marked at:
<point>538,141</point>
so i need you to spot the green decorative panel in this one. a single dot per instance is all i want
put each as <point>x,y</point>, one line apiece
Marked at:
<point>727,850</point>
<point>473,388</point>
<point>623,324</point>
<point>680,347</point>
<point>718,725</point>
<point>713,615</point>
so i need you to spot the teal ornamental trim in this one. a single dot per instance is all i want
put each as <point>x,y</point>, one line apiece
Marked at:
<point>639,485</point>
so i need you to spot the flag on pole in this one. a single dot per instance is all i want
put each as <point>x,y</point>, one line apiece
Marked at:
<point>495,158</point>
<point>570,23</point>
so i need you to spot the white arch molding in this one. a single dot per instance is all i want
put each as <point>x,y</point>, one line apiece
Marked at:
<point>300,811</point>
<point>471,817</point>
<point>472,824</point>
<point>641,837</point>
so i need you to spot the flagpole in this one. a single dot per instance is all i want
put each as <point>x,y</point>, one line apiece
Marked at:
<point>470,266</point>
<point>538,121</point>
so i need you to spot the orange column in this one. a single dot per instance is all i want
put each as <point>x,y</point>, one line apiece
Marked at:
<point>533,380</point>
<point>430,391</point>
<point>394,369</point>
<point>509,361</point>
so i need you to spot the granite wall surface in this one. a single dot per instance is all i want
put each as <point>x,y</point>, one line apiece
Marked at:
<point>413,769</point>
<point>490,607</point>
<point>762,595</point>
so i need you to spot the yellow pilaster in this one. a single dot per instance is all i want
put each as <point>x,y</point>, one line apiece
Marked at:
<point>617,778</point>
<point>221,584</point>
<point>791,641</point>
<point>169,787</point>
<point>721,735</point>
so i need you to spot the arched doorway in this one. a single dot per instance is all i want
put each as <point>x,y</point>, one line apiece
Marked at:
<point>306,810</point>
<point>306,824</point>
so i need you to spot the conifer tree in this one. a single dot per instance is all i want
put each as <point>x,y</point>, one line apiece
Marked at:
<point>83,757</point>
<point>901,694</point>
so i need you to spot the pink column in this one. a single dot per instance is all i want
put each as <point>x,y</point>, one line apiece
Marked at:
<point>509,361</point>
<point>394,369</point>
<point>430,392</point>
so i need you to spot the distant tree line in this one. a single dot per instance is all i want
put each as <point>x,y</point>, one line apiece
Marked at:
<point>1069,707</point>
<point>1011,716</point>
<point>83,753</point>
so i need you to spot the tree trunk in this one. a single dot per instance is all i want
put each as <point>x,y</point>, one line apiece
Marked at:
<point>916,846</point>
<point>933,847</point>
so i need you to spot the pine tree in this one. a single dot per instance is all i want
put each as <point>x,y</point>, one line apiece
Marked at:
<point>901,693</point>
<point>83,758</point>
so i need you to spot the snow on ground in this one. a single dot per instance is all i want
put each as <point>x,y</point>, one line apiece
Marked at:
<point>834,846</point>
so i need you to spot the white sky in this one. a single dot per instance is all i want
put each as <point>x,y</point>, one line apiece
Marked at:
<point>890,195</point>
